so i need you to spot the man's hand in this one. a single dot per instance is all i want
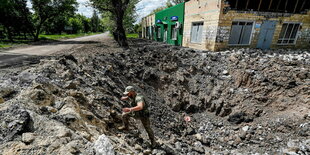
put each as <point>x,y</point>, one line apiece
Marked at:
<point>126,110</point>
<point>124,98</point>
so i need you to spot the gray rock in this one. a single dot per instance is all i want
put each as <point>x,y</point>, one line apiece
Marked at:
<point>178,145</point>
<point>198,147</point>
<point>14,121</point>
<point>103,146</point>
<point>63,132</point>
<point>158,152</point>
<point>245,128</point>
<point>28,137</point>
<point>225,72</point>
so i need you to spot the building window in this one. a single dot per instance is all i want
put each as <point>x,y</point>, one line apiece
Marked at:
<point>158,32</point>
<point>147,32</point>
<point>288,34</point>
<point>240,33</point>
<point>150,32</point>
<point>196,34</point>
<point>174,33</point>
<point>165,35</point>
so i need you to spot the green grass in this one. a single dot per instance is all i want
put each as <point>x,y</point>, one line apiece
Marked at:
<point>63,36</point>
<point>132,35</point>
<point>6,43</point>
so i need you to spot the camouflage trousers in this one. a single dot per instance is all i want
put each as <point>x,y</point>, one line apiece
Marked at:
<point>144,120</point>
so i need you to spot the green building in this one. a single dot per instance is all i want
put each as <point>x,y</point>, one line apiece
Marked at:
<point>169,25</point>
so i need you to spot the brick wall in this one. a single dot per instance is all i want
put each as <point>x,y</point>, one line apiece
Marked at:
<point>226,19</point>
<point>206,11</point>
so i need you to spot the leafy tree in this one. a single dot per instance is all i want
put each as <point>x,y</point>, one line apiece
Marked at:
<point>117,8</point>
<point>95,21</point>
<point>102,27</point>
<point>158,9</point>
<point>107,21</point>
<point>15,17</point>
<point>86,23</point>
<point>169,4</point>
<point>138,28</point>
<point>175,2</point>
<point>130,16</point>
<point>49,9</point>
<point>76,24</point>
<point>55,25</point>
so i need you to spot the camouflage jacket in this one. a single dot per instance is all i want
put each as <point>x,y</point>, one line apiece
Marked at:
<point>134,101</point>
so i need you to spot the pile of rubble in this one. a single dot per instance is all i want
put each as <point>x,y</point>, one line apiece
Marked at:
<point>239,101</point>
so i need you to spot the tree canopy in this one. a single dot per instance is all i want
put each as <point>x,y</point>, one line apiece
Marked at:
<point>117,11</point>
<point>175,2</point>
<point>12,11</point>
<point>19,21</point>
<point>45,10</point>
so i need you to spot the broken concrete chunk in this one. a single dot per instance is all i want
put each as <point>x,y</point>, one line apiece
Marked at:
<point>1,100</point>
<point>28,137</point>
<point>63,132</point>
<point>14,121</point>
<point>225,72</point>
<point>103,146</point>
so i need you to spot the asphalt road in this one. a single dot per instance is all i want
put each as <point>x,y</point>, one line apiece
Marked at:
<point>32,54</point>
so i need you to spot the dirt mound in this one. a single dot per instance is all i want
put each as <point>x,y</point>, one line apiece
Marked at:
<point>239,101</point>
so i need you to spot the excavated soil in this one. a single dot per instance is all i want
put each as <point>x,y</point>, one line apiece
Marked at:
<point>239,101</point>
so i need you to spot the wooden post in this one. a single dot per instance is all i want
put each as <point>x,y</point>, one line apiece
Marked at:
<point>270,5</point>
<point>296,6</point>
<point>303,5</point>
<point>278,5</point>
<point>260,3</point>
<point>285,5</point>
<point>247,4</point>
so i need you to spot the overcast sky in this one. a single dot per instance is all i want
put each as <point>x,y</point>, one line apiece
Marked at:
<point>144,7</point>
<point>147,6</point>
<point>84,9</point>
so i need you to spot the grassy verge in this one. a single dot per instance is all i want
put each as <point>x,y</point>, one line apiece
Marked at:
<point>132,35</point>
<point>4,45</point>
<point>7,44</point>
<point>64,36</point>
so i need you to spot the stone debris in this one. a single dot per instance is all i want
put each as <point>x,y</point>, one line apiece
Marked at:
<point>239,101</point>
<point>103,146</point>
<point>28,137</point>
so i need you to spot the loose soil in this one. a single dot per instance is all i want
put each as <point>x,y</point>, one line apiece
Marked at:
<point>239,101</point>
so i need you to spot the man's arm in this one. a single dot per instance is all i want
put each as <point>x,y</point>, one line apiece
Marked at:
<point>124,98</point>
<point>139,107</point>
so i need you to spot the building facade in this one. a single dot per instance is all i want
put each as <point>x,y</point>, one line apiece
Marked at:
<point>201,23</point>
<point>264,24</point>
<point>169,25</point>
<point>148,23</point>
<point>219,24</point>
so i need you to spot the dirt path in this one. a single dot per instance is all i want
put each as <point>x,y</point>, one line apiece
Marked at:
<point>26,54</point>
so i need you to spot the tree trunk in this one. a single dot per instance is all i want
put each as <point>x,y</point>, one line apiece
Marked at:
<point>9,32</point>
<point>119,34</point>
<point>38,29</point>
<point>36,36</point>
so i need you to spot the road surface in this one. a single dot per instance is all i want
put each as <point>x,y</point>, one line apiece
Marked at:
<point>26,54</point>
